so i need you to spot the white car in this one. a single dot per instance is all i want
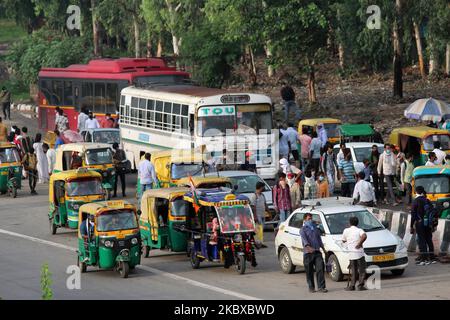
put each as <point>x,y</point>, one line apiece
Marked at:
<point>382,248</point>
<point>360,151</point>
<point>246,185</point>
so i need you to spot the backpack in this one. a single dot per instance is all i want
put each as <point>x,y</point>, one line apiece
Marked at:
<point>431,215</point>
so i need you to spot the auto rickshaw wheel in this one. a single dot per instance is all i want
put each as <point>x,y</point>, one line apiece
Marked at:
<point>195,261</point>
<point>240,264</point>
<point>53,227</point>
<point>146,251</point>
<point>124,269</point>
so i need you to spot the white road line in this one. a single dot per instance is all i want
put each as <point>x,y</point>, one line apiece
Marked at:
<point>145,268</point>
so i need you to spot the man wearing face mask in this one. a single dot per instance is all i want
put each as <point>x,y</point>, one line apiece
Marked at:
<point>386,166</point>
<point>282,198</point>
<point>312,257</point>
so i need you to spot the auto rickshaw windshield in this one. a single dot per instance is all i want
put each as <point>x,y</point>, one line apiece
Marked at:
<point>428,143</point>
<point>84,187</point>
<point>9,155</point>
<point>105,136</point>
<point>181,170</point>
<point>332,130</point>
<point>433,183</point>
<point>179,207</point>
<point>117,220</point>
<point>235,218</point>
<point>99,156</point>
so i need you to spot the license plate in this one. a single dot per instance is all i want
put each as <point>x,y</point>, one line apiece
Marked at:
<point>384,257</point>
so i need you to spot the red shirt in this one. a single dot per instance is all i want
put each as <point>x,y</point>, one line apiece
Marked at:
<point>282,198</point>
<point>107,123</point>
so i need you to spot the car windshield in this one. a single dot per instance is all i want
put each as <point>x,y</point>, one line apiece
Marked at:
<point>117,220</point>
<point>235,218</point>
<point>184,170</point>
<point>332,130</point>
<point>99,156</point>
<point>339,221</point>
<point>433,183</point>
<point>362,153</point>
<point>179,207</point>
<point>9,155</point>
<point>84,187</point>
<point>109,137</point>
<point>428,143</point>
<point>247,184</point>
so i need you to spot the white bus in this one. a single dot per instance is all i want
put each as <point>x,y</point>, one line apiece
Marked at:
<point>185,116</point>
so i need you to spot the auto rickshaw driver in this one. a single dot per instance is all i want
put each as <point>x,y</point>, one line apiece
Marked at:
<point>87,228</point>
<point>76,162</point>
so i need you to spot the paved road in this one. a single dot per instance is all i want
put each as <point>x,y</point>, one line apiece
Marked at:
<point>26,244</point>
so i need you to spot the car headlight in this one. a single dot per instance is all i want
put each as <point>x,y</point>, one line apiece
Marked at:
<point>401,244</point>
<point>446,204</point>
<point>134,241</point>
<point>109,244</point>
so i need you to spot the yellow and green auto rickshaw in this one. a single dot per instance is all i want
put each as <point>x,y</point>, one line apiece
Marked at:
<point>68,191</point>
<point>436,182</point>
<point>93,156</point>
<point>108,237</point>
<point>162,212</point>
<point>10,169</point>
<point>419,141</point>
<point>221,229</point>
<point>331,126</point>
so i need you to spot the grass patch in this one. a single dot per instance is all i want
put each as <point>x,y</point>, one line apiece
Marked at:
<point>10,32</point>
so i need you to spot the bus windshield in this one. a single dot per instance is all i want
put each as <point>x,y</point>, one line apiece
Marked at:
<point>84,187</point>
<point>254,117</point>
<point>117,220</point>
<point>99,156</point>
<point>235,218</point>
<point>9,155</point>
<point>433,183</point>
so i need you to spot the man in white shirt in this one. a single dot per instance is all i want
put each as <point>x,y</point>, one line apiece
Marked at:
<point>354,238</point>
<point>51,157</point>
<point>82,118</point>
<point>292,137</point>
<point>440,155</point>
<point>364,193</point>
<point>91,122</point>
<point>432,160</point>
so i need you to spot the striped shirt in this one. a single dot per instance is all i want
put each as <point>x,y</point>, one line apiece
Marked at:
<point>348,171</point>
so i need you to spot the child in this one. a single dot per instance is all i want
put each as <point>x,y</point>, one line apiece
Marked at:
<point>310,189</point>
<point>322,186</point>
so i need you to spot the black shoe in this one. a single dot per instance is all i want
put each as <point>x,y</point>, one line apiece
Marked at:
<point>263,246</point>
<point>350,288</point>
<point>362,288</point>
<point>323,290</point>
<point>312,290</point>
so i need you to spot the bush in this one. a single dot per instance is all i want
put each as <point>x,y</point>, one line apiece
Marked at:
<point>46,49</point>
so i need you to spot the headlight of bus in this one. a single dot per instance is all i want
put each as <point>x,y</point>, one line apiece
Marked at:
<point>134,241</point>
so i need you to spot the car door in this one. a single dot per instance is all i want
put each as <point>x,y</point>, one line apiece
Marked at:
<point>294,241</point>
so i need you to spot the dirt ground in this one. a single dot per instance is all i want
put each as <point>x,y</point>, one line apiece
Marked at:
<point>365,98</point>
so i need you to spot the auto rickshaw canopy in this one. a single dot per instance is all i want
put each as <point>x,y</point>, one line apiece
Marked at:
<point>355,130</point>
<point>314,122</point>
<point>50,139</point>
<point>420,132</point>
<point>215,197</point>
<point>7,145</point>
<point>97,208</point>
<point>430,170</point>
<point>205,182</point>
<point>70,175</point>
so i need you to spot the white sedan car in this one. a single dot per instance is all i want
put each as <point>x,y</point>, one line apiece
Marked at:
<point>360,151</point>
<point>382,248</point>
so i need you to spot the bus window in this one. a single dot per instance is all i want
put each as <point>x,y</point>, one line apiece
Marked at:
<point>87,92</point>
<point>151,113</point>
<point>46,88</point>
<point>134,110</point>
<point>57,93</point>
<point>111,97</point>
<point>142,112</point>
<point>68,94</point>
<point>99,98</point>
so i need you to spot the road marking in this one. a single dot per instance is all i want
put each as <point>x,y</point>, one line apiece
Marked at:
<point>145,268</point>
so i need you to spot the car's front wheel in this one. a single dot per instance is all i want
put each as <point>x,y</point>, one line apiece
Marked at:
<point>285,261</point>
<point>398,272</point>
<point>336,272</point>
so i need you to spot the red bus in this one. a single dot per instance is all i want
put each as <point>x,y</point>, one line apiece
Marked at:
<point>97,86</point>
